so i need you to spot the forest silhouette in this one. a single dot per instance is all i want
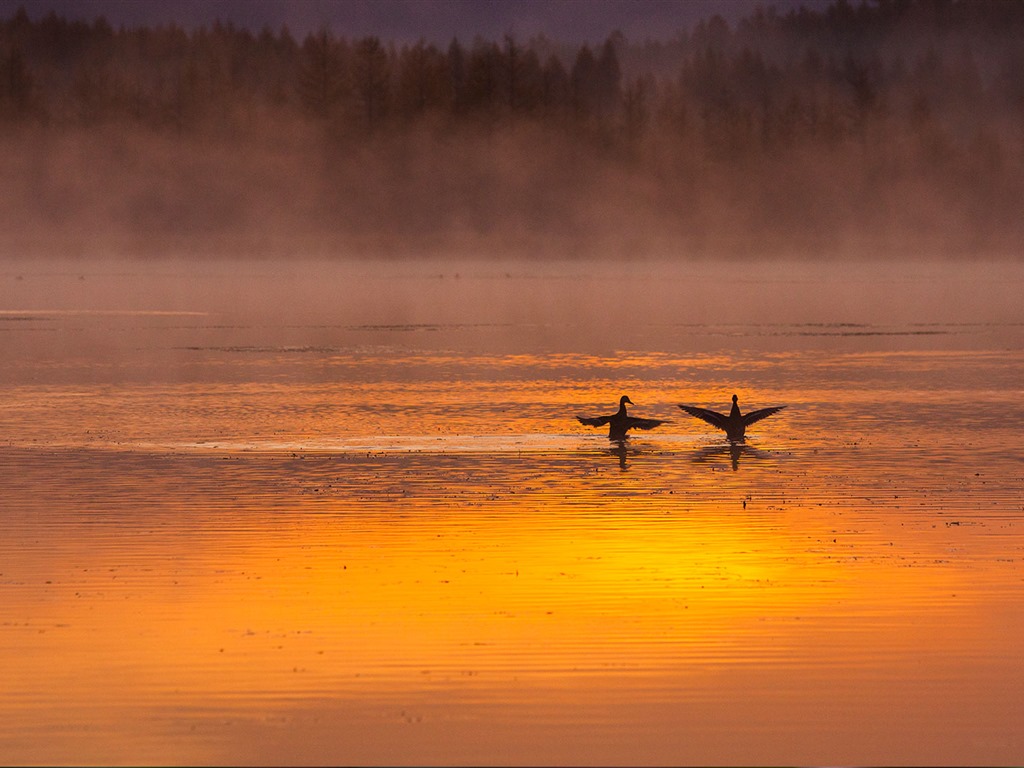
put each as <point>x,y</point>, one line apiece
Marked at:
<point>883,129</point>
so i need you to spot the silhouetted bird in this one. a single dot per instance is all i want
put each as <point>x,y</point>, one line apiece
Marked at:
<point>735,424</point>
<point>619,422</point>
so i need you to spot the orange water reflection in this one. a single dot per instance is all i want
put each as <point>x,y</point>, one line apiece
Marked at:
<point>367,534</point>
<point>305,590</point>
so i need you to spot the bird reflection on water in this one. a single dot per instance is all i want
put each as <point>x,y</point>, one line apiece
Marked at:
<point>734,449</point>
<point>620,448</point>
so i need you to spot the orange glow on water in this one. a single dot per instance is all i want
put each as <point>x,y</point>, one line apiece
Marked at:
<point>446,582</point>
<point>236,543</point>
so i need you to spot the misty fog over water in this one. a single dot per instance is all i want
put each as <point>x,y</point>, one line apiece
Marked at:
<point>871,131</point>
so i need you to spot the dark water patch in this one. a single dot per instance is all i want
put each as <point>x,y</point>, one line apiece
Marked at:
<point>428,327</point>
<point>255,349</point>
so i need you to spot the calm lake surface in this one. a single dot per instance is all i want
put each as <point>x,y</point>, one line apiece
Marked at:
<point>344,513</point>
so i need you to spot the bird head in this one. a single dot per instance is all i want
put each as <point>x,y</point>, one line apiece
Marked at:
<point>625,399</point>
<point>734,399</point>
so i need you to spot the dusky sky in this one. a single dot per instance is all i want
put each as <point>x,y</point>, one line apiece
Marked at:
<point>438,21</point>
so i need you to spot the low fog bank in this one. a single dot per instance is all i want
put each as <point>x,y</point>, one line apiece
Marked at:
<point>522,190</point>
<point>885,129</point>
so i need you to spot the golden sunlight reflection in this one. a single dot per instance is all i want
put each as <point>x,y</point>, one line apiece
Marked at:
<point>412,574</point>
<point>246,537</point>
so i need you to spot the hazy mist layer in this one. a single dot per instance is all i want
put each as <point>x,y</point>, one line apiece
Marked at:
<point>521,192</point>
<point>876,131</point>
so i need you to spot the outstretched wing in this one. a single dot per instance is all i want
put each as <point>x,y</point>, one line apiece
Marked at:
<point>714,418</point>
<point>638,423</point>
<point>594,421</point>
<point>764,413</point>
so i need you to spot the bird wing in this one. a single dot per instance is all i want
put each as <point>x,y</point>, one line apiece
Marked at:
<point>714,418</point>
<point>594,421</point>
<point>638,423</point>
<point>764,413</point>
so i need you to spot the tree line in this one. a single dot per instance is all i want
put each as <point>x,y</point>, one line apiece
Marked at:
<point>773,77</point>
<point>923,94</point>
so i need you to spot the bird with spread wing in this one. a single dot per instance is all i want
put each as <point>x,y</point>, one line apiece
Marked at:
<point>620,422</point>
<point>735,424</point>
